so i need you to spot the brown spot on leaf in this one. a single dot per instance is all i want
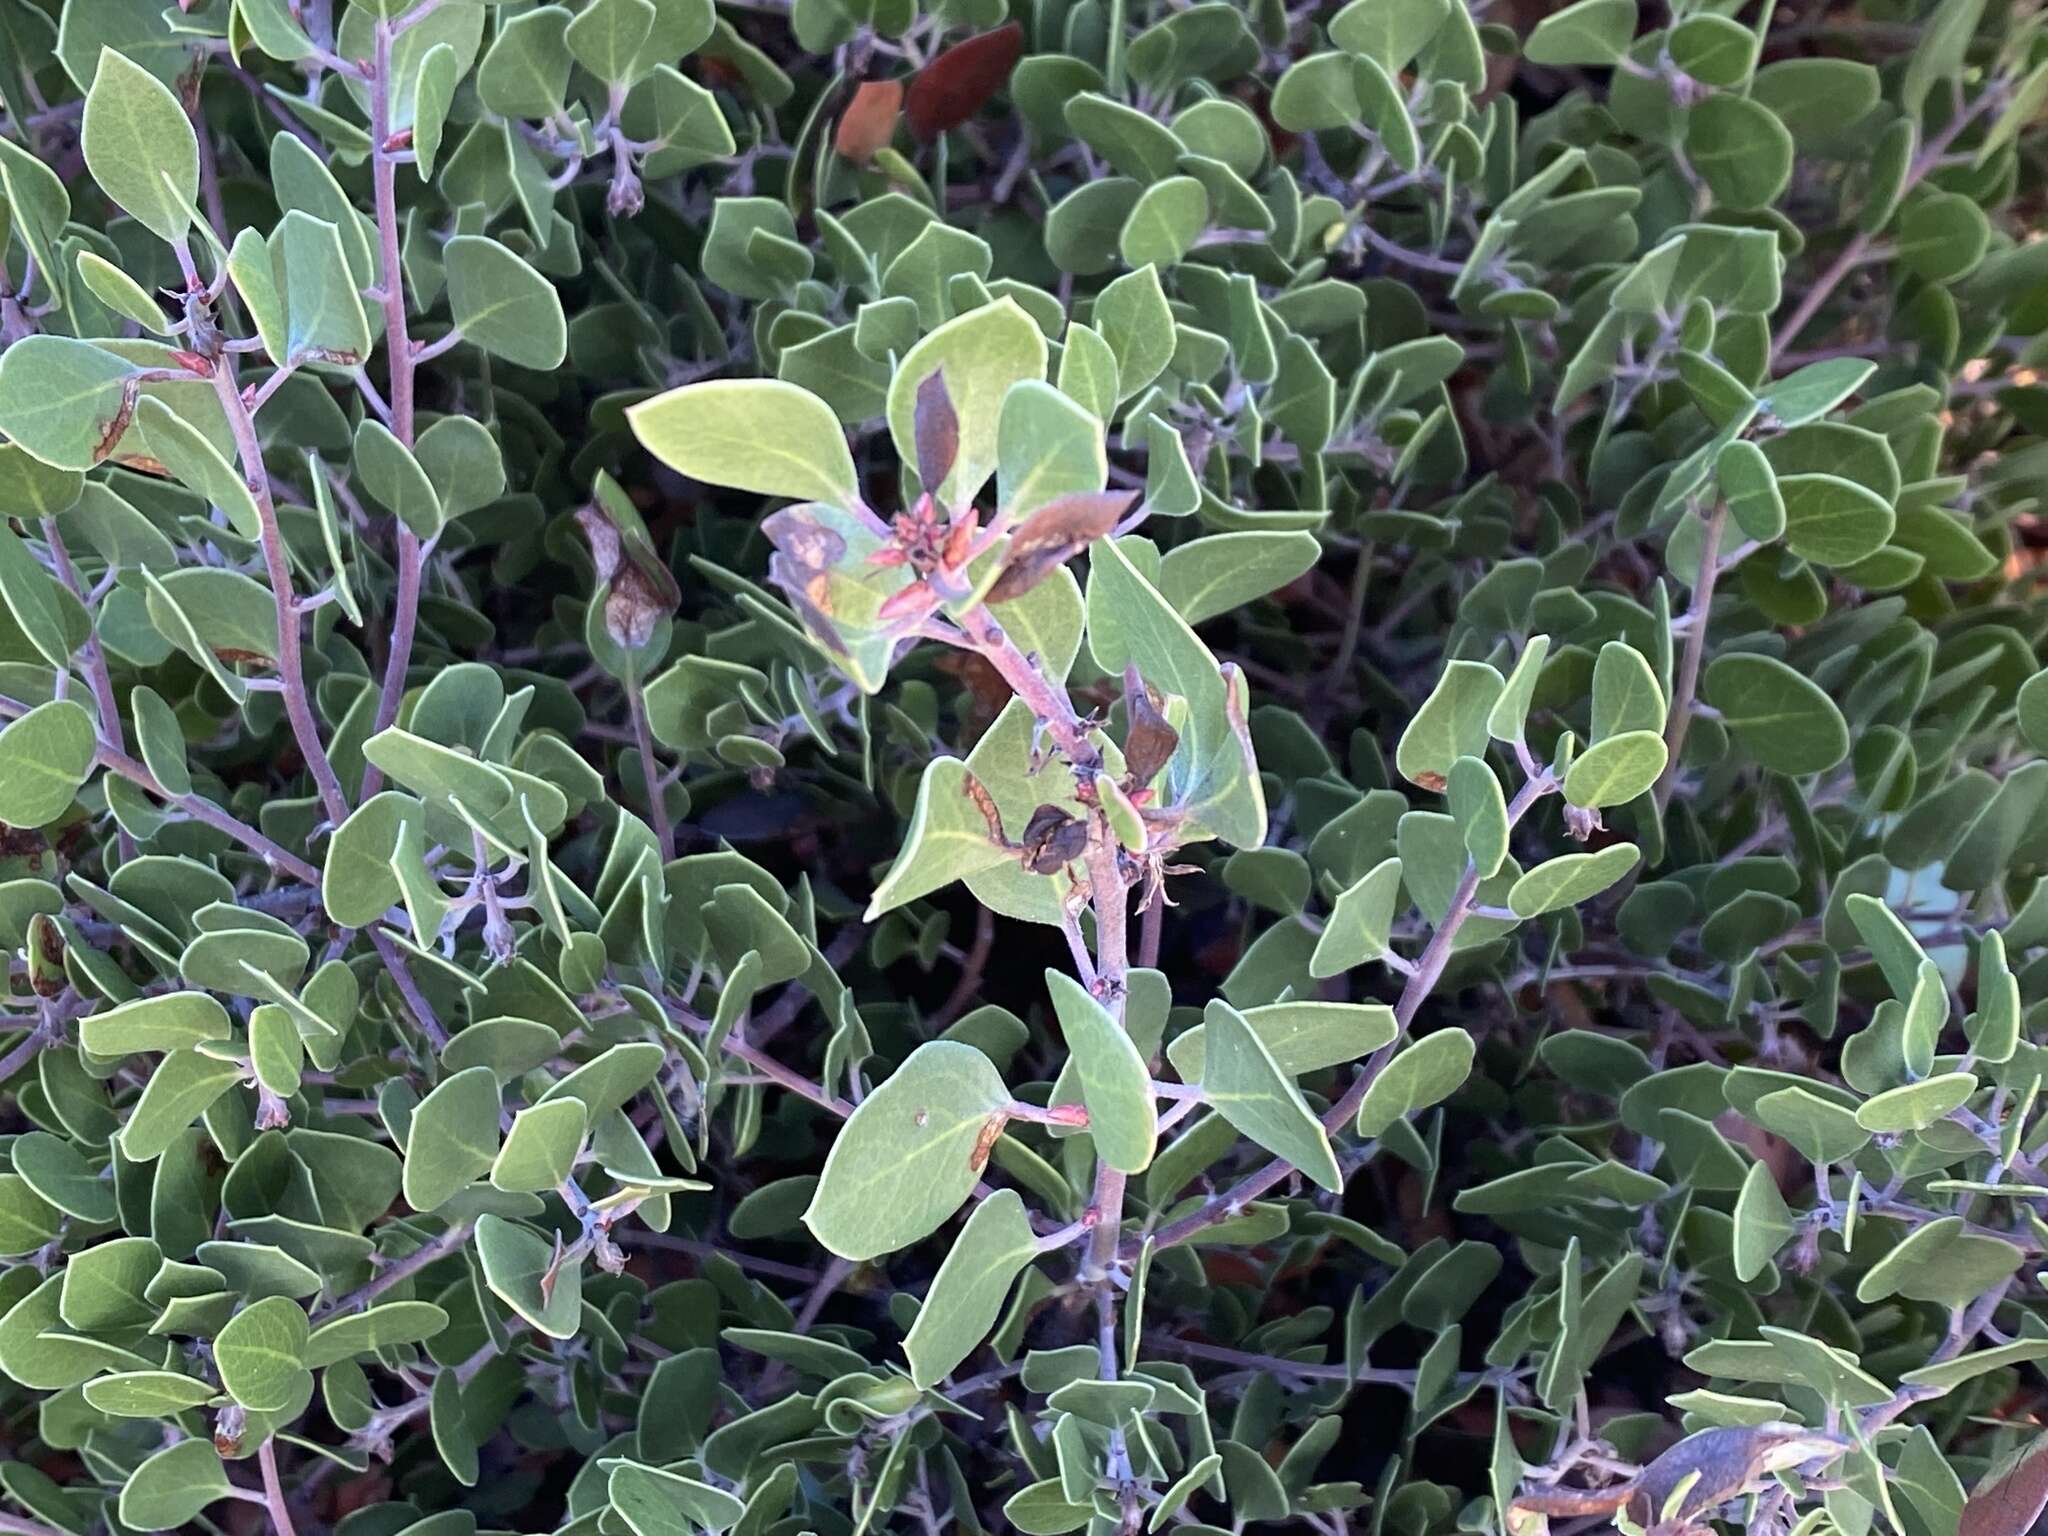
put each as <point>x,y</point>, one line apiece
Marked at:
<point>985,1143</point>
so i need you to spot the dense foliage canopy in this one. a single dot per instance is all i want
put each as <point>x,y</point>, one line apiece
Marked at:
<point>846,766</point>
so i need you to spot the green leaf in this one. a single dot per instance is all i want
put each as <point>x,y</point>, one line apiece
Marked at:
<point>656,1502</point>
<point>1477,805</point>
<point>454,1138</point>
<point>1750,486</point>
<point>759,435</point>
<point>1741,150</point>
<point>522,1269</point>
<point>607,37</point>
<point>526,69</point>
<point>121,293</point>
<point>1248,1088</point>
<point>167,1022</point>
<point>948,839</point>
<point>909,1154</point>
<point>181,1088</point>
<point>140,147</point>
<point>1047,446</point>
<point>540,1149</point>
<point>385,1326</point>
<point>1833,521</point>
<point>324,320</point>
<point>1785,721</point>
<point>261,1354</point>
<point>173,1486</point>
<point>1427,1072</point>
<point>1763,1222</point>
<point>1569,879</point>
<point>1219,574</point>
<point>967,1294</point>
<point>1915,1106</point>
<point>1822,1132</point>
<point>1510,713</point>
<point>65,402</point>
<point>502,305</point>
<point>1132,315</point>
<point>1211,776</point>
<point>1452,723</point>
<point>1809,393</point>
<point>1123,1116</point>
<point>1615,770</point>
<point>1626,693</point>
<point>147,1394</point>
<point>191,456</point>
<point>1300,1036</point>
<point>45,756</point>
<point>980,355</point>
<point>394,477</point>
<point>1389,32</point>
<point>1940,1262</point>
<point>1163,226</point>
<point>1362,919</point>
<point>1590,32</point>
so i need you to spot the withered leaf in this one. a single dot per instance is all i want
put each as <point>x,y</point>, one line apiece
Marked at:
<point>2009,1499</point>
<point>1150,742</point>
<point>1053,840</point>
<point>869,121</point>
<point>938,432</point>
<point>1053,535</point>
<point>952,88</point>
<point>634,583</point>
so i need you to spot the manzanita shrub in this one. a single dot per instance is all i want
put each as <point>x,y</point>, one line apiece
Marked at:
<point>969,765</point>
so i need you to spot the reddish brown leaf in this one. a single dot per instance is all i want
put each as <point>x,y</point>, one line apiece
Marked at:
<point>869,121</point>
<point>1053,535</point>
<point>952,88</point>
<point>938,432</point>
<point>2010,1498</point>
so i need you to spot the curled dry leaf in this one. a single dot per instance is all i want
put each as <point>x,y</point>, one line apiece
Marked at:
<point>953,87</point>
<point>1053,535</point>
<point>869,121</point>
<point>1150,742</point>
<point>1053,840</point>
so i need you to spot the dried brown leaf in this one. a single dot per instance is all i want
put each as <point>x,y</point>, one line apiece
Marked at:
<point>1053,535</point>
<point>869,121</point>
<point>953,87</point>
